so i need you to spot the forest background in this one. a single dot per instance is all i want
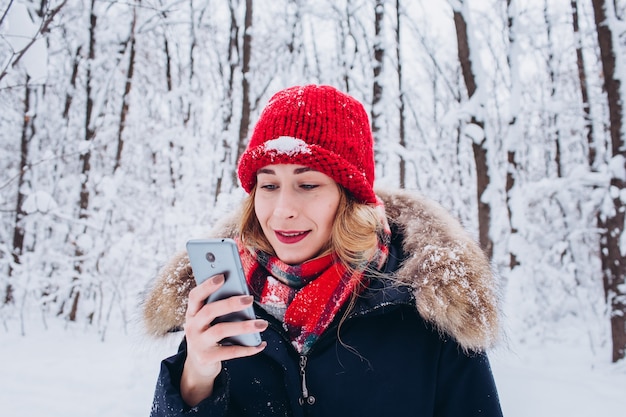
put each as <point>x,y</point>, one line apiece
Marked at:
<point>121,123</point>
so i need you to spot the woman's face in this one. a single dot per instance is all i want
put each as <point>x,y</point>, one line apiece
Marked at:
<point>296,207</point>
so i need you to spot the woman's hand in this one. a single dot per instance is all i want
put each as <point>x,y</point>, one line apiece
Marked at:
<point>204,353</point>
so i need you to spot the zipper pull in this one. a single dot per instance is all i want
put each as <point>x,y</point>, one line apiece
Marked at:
<point>306,398</point>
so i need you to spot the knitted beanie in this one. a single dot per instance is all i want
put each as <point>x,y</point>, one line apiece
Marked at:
<point>319,127</point>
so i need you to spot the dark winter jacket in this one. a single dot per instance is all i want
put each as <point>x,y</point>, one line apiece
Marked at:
<point>413,344</point>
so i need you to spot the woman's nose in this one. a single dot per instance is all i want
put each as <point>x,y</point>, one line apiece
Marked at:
<point>286,205</point>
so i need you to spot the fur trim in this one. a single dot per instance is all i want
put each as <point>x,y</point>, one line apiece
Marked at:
<point>454,286</point>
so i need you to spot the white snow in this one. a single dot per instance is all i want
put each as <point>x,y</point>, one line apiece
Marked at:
<point>62,372</point>
<point>617,167</point>
<point>39,201</point>
<point>287,145</point>
<point>557,380</point>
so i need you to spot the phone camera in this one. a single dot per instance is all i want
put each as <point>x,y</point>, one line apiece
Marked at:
<point>210,257</point>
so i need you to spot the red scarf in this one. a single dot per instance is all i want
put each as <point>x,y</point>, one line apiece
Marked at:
<point>305,297</point>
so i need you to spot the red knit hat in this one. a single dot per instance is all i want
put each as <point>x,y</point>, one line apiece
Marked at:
<point>319,127</point>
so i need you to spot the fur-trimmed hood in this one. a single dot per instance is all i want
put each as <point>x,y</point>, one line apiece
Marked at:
<point>452,280</point>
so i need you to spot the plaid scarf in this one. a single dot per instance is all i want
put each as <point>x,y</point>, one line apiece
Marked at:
<point>306,297</point>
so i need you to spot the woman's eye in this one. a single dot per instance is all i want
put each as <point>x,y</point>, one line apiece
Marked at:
<point>268,186</point>
<point>309,186</point>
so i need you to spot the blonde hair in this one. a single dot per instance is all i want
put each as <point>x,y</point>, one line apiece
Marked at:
<point>354,237</point>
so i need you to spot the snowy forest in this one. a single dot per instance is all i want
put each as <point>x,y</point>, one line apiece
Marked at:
<point>121,123</point>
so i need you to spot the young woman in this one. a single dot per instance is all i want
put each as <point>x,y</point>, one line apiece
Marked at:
<point>369,304</point>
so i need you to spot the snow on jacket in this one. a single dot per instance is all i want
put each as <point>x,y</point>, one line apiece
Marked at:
<point>414,349</point>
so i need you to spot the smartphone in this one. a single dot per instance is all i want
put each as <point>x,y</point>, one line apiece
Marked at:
<point>210,257</point>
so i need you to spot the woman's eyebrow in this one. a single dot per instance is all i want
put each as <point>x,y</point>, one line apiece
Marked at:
<point>295,171</point>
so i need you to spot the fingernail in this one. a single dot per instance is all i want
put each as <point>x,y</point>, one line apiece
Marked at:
<point>218,279</point>
<point>248,299</point>
<point>260,324</point>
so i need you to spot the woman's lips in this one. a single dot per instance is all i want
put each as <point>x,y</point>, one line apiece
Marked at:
<point>289,237</point>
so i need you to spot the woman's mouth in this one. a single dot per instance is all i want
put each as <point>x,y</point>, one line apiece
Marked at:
<point>290,237</point>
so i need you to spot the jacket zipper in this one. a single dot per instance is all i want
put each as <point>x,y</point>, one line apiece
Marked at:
<point>306,398</point>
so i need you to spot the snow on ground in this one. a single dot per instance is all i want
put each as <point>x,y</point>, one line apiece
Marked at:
<point>72,373</point>
<point>558,380</point>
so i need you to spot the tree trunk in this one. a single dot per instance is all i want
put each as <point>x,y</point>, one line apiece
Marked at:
<point>69,98</point>
<point>582,78</point>
<point>85,158</point>
<point>89,131</point>
<point>244,124</point>
<point>512,59</point>
<point>28,131</point>
<point>228,106</point>
<point>479,148</point>
<point>402,105</point>
<point>612,220</point>
<point>553,125</point>
<point>379,54</point>
<point>126,94</point>
<point>169,85</point>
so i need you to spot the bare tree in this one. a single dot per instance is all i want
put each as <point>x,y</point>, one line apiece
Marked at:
<point>28,131</point>
<point>348,41</point>
<point>130,44</point>
<point>244,124</point>
<point>479,147</point>
<point>582,78</point>
<point>85,159</point>
<point>401,100</point>
<point>612,220</point>
<point>552,128</point>
<point>46,16</point>
<point>513,127</point>
<point>228,74</point>
<point>69,95</point>
<point>379,55</point>
<point>169,85</point>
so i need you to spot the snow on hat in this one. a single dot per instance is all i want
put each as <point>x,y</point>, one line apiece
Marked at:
<point>319,127</point>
